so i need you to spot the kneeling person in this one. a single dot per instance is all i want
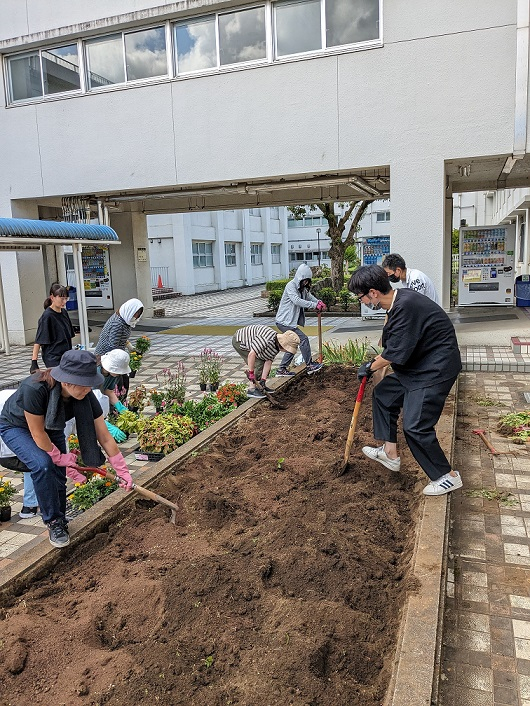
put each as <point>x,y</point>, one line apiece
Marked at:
<point>258,346</point>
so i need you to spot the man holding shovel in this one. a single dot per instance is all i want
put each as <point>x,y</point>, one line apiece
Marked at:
<point>419,342</point>
<point>258,346</point>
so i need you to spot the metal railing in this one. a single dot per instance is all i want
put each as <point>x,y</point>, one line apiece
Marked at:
<point>162,273</point>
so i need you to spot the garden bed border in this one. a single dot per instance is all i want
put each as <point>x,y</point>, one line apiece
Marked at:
<point>415,671</point>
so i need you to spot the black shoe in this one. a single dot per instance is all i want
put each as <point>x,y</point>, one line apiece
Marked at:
<point>58,530</point>
<point>28,512</point>
<point>255,393</point>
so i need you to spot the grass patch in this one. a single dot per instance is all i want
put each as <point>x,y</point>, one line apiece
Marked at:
<point>504,499</point>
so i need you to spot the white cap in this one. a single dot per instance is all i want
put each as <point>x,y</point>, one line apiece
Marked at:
<point>116,362</point>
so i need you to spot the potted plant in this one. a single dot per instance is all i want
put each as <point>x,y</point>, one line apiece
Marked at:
<point>138,399</point>
<point>156,398</point>
<point>173,385</point>
<point>202,368</point>
<point>87,494</point>
<point>214,370</point>
<point>142,345</point>
<point>232,394</point>
<point>162,434</point>
<point>135,363</point>
<point>7,490</point>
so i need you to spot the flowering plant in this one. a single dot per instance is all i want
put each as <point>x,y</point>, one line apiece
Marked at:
<point>210,366</point>
<point>87,494</point>
<point>163,433</point>
<point>142,345</point>
<point>7,490</point>
<point>138,398</point>
<point>135,361</point>
<point>232,394</point>
<point>173,384</point>
<point>156,397</point>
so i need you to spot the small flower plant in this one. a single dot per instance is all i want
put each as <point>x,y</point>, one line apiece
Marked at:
<point>232,394</point>
<point>96,488</point>
<point>142,345</point>
<point>135,361</point>
<point>138,398</point>
<point>172,386</point>
<point>7,490</point>
<point>210,366</point>
<point>156,397</point>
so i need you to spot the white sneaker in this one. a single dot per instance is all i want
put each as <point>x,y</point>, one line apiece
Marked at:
<point>378,454</point>
<point>443,485</point>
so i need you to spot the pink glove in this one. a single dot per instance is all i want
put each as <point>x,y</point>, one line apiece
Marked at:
<point>75,475</point>
<point>321,306</point>
<point>250,375</point>
<point>63,460</point>
<point>118,463</point>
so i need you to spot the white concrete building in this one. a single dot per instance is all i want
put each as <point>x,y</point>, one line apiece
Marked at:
<point>152,107</point>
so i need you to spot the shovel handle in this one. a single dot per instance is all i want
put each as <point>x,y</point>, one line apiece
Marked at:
<point>319,319</point>
<point>354,418</point>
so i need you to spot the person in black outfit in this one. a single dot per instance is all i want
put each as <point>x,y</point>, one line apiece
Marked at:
<point>54,330</point>
<point>419,342</point>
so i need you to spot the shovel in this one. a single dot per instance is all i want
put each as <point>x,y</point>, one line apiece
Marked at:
<point>353,424</point>
<point>319,319</point>
<point>139,489</point>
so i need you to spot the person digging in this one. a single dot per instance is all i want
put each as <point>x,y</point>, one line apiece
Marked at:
<point>258,346</point>
<point>419,342</point>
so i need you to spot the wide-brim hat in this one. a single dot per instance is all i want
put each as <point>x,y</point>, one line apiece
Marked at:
<point>289,341</point>
<point>116,362</point>
<point>78,368</point>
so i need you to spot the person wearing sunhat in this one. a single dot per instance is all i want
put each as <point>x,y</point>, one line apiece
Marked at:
<point>32,425</point>
<point>113,364</point>
<point>258,346</point>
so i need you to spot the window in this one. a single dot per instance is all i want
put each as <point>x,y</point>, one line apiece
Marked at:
<point>105,61</point>
<point>145,53</point>
<point>351,21</point>
<point>230,254</point>
<point>196,45</point>
<point>256,254</point>
<point>275,254</point>
<point>297,26</point>
<point>202,254</point>
<point>242,36</point>
<point>382,216</point>
<point>294,223</point>
<point>60,69</point>
<point>308,256</point>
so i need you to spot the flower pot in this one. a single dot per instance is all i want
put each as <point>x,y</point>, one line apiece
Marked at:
<point>148,455</point>
<point>202,385</point>
<point>5,513</point>
<point>132,374</point>
<point>133,409</point>
<point>214,386</point>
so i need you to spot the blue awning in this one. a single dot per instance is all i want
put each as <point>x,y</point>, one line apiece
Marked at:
<point>22,230</point>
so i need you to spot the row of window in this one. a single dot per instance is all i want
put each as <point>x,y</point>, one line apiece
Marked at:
<point>203,254</point>
<point>308,256</point>
<point>263,33</point>
<point>306,221</point>
<point>382,216</point>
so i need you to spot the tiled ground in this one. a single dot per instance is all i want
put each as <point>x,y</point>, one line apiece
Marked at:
<point>486,638</point>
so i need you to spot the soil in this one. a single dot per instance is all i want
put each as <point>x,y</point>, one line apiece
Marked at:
<point>281,584</point>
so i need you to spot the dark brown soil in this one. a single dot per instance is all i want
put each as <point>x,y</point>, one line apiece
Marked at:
<point>281,584</point>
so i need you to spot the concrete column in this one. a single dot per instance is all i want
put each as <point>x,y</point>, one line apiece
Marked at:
<point>181,225</point>
<point>526,264</point>
<point>267,257</point>
<point>285,242</point>
<point>130,272</point>
<point>219,248</point>
<point>246,234</point>
<point>422,235</point>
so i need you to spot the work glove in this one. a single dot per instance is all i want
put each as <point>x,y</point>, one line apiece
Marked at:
<point>321,306</point>
<point>117,434</point>
<point>250,375</point>
<point>33,367</point>
<point>118,463</point>
<point>74,475</point>
<point>365,370</point>
<point>120,407</point>
<point>60,459</point>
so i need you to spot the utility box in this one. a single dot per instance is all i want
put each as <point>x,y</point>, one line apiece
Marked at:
<point>522,290</point>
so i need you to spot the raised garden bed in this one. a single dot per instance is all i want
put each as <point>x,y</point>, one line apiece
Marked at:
<point>281,584</point>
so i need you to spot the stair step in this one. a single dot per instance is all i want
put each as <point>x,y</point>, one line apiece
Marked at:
<point>520,346</point>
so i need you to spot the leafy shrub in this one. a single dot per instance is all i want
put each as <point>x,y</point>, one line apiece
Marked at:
<point>205,412</point>
<point>127,421</point>
<point>345,298</point>
<point>276,284</point>
<point>516,424</point>
<point>328,296</point>
<point>164,433</point>
<point>142,345</point>
<point>138,398</point>
<point>89,493</point>
<point>273,300</point>
<point>352,352</point>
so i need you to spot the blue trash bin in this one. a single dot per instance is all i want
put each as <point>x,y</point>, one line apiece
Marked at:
<point>522,290</point>
<point>71,304</point>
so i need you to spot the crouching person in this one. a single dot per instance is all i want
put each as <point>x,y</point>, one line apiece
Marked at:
<point>32,425</point>
<point>258,346</point>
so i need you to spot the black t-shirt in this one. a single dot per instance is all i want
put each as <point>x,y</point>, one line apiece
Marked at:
<point>54,335</point>
<point>33,396</point>
<point>420,341</point>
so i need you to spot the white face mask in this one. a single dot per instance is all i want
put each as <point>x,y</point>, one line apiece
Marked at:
<point>133,323</point>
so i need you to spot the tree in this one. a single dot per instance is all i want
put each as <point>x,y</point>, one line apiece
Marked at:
<point>336,228</point>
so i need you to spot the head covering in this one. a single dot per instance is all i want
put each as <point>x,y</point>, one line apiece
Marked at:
<point>303,272</point>
<point>129,309</point>
<point>78,368</point>
<point>289,341</point>
<point>116,362</point>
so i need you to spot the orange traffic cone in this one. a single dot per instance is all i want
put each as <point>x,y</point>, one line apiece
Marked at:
<point>159,283</point>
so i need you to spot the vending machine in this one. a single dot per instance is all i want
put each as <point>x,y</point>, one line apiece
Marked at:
<point>487,261</point>
<point>96,275</point>
<point>373,252</point>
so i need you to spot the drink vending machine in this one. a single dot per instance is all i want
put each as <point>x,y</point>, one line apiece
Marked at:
<point>373,252</point>
<point>487,261</point>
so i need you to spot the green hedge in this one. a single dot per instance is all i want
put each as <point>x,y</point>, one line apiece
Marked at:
<point>276,284</point>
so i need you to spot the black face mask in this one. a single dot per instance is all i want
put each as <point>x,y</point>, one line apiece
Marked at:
<point>394,278</point>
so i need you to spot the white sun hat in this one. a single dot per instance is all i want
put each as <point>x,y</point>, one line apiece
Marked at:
<point>116,362</point>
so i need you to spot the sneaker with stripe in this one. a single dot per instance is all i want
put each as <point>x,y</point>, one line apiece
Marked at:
<point>443,485</point>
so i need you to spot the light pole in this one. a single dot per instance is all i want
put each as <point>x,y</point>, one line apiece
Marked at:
<point>318,241</point>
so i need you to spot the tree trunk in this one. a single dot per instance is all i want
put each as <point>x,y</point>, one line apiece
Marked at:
<point>336,255</point>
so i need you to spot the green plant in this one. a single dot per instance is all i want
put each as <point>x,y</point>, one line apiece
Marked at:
<point>138,398</point>
<point>274,299</point>
<point>516,424</point>
<point>173,382</point>
<point>232,394</point>
<point>127,421</point>
<point>205,412</point>
<point>345,298</point>
<point>279,464</point>
<point>210,366</point>
<point>208,661</point>
<point>484,401</point>
<point>7,490</point>
<point>87,494</point>
<point>135,361</point>
<point>142,345</point>
<point>278,284</point>
<point>353,352</point>
<point>163,433</point>
<point>351,256</point>
<point>328,296</point>
<point>156,397</point>
<point>505,499</point>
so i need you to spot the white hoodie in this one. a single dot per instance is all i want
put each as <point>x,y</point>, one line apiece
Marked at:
<point>293,302</point>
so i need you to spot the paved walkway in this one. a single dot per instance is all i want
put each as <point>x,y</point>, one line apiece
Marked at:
<point>486,654</point>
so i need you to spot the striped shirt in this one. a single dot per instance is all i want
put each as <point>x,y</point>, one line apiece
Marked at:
<point>113,335</point>
<point>261,339</point>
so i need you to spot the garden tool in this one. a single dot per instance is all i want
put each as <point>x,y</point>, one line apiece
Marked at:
<point>353,424</point>
<point>481,434</point>
<point>268,395</point>
<point>319,319</point>
<point>139,489</point>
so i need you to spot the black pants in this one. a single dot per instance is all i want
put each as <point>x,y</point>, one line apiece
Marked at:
<point>421,411</point>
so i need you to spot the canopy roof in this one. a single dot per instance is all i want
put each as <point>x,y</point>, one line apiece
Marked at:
<point>23,231</point>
